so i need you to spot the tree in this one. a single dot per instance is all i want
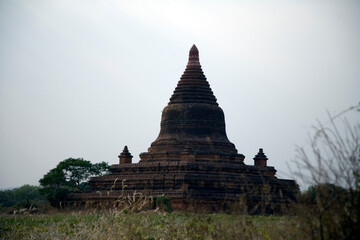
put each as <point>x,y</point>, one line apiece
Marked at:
<point>325,191</point>
<point>70,175</point>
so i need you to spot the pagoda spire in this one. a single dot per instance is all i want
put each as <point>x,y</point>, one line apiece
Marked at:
<point>193,86</point>
<point>193,57</point>
<point>192,123</point>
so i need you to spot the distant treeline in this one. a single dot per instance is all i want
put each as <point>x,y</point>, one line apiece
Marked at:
<point>23,197</point>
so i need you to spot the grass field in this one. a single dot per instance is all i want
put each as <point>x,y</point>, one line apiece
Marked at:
<point>116,225</point>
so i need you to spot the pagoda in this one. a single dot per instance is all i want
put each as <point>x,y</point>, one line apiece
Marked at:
<point>192,162</point>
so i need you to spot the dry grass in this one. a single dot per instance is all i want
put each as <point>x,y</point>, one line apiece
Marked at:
<point>117,225</point>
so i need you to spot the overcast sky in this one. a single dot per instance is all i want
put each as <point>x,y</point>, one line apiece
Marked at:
<point>84,78</point>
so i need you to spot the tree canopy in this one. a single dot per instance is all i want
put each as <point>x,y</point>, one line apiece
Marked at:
<point>70,175</point>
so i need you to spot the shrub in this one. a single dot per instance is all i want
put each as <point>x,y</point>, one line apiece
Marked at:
<point>164,203</point>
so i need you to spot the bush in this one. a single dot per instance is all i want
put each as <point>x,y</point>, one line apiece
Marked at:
<point>164,203</point>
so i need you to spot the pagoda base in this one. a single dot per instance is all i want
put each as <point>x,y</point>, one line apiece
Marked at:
<point>197,186</point>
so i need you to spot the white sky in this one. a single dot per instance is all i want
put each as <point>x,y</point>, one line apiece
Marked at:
<point>84,78</point>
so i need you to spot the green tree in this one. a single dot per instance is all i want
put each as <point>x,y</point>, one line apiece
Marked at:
<point>70,175</point>
<point>320,192</point>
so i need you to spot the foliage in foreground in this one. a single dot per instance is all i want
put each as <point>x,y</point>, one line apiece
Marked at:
<point>70,175</point>
<point>330,212</point>
<point>331,207</point>
<point>117,225</point>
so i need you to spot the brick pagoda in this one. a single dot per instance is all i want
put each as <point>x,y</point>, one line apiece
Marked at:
<point>192,161</point>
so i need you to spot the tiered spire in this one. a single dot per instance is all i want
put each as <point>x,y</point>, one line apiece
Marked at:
<point>192,120</point>
<point>193,87</point>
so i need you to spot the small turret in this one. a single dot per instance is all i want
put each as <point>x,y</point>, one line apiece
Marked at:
<point>125,156</point>
<point>260,160</point>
